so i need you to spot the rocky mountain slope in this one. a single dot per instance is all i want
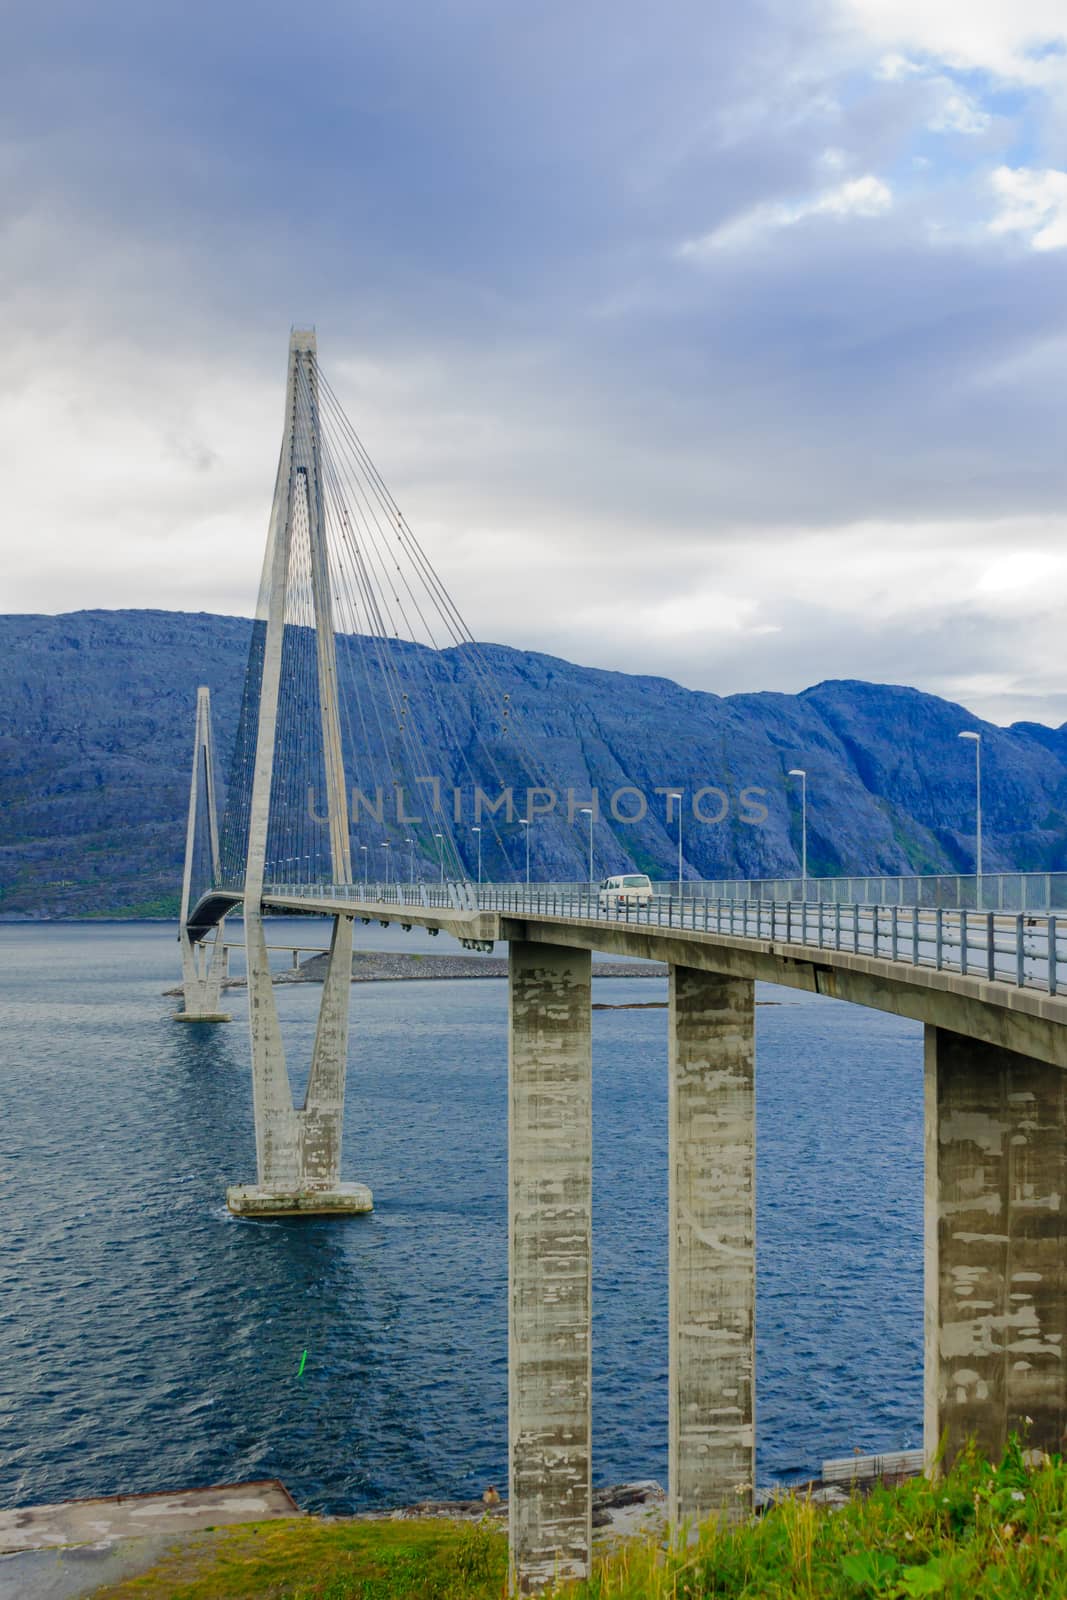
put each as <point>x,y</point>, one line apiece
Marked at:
<point>96,720</point>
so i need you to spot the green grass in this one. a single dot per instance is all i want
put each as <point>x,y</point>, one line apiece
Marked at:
<point>980,1533</point>
<point>310,1560</point>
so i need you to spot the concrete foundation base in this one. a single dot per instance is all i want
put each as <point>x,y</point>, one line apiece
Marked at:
<point>206,1016</point>
<point>346,1199</point>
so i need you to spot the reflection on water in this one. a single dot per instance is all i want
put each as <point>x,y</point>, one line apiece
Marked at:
<point>149,1340</point>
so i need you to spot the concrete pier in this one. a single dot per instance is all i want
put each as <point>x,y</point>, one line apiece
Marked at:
<point>996,1246</point>
<point>298,1151</point>
<point>711,1219</point>
<point>549,1263</point>
<point>203,969</point>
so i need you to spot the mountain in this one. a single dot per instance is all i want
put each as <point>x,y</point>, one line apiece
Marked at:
<point>96,725</point>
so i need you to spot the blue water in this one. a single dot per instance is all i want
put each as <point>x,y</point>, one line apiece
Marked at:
<point>149,1340</point>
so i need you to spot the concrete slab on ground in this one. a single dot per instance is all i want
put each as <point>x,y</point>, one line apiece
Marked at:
<point>67,1550</point>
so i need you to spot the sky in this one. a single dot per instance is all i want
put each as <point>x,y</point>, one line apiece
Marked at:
<point>725,342</point>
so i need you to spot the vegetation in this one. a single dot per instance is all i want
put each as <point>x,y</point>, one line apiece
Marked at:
<point>980,1533</point>
<point>312,1560</point>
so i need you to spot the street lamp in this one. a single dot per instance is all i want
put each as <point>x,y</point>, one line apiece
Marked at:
<point>977,737</point>
<point>587,811</point>
<point>363,847</point>
<point>385,847</point>
<point>526,824</point>
<point>799,772</point>
<point>478,831</point>
<point>676,794</point>
<point>441,853</point>
<point>411,860</point>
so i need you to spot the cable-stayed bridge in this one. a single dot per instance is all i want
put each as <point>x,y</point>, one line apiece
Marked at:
<point>349,758</point>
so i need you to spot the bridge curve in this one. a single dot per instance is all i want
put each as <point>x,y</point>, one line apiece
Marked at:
<point>1013,1003</point>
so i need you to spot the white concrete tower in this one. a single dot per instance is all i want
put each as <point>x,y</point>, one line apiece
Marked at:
<point>298,1149</point>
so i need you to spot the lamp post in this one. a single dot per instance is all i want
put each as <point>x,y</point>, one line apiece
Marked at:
<point>478,831</point>
<point>526,824</point>
<point>363,848</point>
<point>385,847</point>
<point>587,811</point>
<point>977,737</point>
<point>799,772</point>
<point>676,794</point>
<point>411,861</point>
<point>441,853</point>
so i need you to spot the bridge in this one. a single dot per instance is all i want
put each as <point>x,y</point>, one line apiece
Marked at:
<point>331,715</point>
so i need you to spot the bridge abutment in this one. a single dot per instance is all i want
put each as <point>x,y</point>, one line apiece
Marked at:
<point>996,1246</point>
<point>711,1221</point>
<point>549,1263</point>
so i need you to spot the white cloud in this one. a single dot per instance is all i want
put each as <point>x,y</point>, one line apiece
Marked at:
<point>857,197</point>
<point>1020,41</point>
<point>959,114</point>
<point>1032,201</point>
<point>894,66</point>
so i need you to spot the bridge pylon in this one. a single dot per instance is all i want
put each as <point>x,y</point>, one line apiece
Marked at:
<point>203,960</point>
<point>298,1149</point>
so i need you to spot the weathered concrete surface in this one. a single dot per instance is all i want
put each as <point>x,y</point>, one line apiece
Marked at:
<point>122,1515</point>
<point>711,1221</point>
<point>996,1246</point>
<point>202,979</point>
<point>72,1549</point>
<point>1025,1020</point>
<point>549,1263</point>
<point>298,1151</point>
<point>249,1200</point>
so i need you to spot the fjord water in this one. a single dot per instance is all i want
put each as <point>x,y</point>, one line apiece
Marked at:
<point>148,1340</point>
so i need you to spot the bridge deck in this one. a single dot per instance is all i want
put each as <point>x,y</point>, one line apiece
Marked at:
<point>994,977</point>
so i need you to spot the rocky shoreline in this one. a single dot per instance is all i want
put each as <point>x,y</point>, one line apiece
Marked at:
<point>379,966</point>
<point>624,1509</point>
<point>620,1510</point>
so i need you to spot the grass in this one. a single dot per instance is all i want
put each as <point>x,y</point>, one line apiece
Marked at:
<point>979,1533</point>
<point>304,1559</point>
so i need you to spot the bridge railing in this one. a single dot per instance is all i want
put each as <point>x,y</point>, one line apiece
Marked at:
<point>1025,949</point>
<point>994,891</point>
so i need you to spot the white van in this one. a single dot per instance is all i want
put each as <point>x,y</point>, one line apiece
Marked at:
<point>634,889</point>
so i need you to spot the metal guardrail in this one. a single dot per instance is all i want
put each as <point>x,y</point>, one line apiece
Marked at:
<point>994,891</point>
<point>1024,950</point>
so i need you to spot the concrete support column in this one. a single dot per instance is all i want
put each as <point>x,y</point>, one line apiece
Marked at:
<point>203,969</point>
<point>549,1263</point>
<point>712,1151</point>
<point>996,1246</point>
<point>298,1152</point>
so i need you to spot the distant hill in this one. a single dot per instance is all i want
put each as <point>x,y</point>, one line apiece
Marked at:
<point>96,719</point>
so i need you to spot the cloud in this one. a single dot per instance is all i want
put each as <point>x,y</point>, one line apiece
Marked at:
<point>1033,203</point>
<point>795,462</point>
<point>856,197</point>
<point>958,113</point>
<point>1022,41</point>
